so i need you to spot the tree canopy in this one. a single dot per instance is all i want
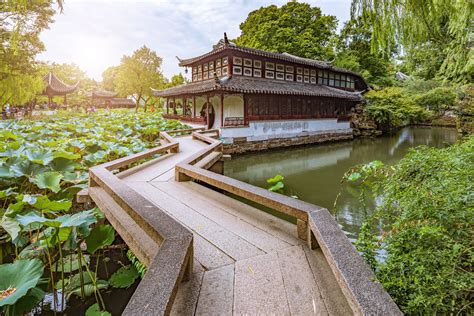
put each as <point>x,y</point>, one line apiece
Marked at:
<point>176,80</point>
<point>295,28</point>
<point>433,33</point>
<point>354,53</point>
<point>137,74</point>
<point>21,22</point>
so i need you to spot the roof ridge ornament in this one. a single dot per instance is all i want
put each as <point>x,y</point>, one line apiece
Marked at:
<point>226,40</point>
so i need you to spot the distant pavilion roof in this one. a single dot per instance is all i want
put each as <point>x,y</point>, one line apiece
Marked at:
<point>55,87</point>
<point>101,94</point>
<point>242,84</point>
<point>118,102</point>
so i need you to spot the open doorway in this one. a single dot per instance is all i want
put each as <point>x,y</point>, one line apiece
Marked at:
<point>212,114</point>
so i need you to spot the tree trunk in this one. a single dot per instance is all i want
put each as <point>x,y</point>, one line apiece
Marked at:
<point>138,103</point>
<point>145,103</point>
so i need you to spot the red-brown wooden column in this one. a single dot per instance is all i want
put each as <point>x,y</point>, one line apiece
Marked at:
<point>207,110</point>
<point>245,109</point>
<point>194,106</point>
<point>222,109</point>
<point>167,105</point>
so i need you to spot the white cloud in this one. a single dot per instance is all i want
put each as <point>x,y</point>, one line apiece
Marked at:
<point>95,34</point>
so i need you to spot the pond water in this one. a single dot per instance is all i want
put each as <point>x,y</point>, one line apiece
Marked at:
<point>314,173</point>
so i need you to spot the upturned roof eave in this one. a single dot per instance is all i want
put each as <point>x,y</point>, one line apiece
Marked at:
<point>225,85</point>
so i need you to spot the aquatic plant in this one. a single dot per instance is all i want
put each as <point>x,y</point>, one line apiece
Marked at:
<point>419,239</point>
<point>43,164</point>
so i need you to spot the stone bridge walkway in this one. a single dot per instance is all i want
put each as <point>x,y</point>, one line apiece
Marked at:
<point>245,260</point>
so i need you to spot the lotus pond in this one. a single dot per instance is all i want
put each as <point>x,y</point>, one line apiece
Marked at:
<point>56,256</point>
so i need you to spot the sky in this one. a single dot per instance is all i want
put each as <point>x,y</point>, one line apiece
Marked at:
<point>95,34</point>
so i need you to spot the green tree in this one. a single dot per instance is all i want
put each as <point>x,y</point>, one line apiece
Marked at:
<point>138,73</point>
<point>108,78</point>
<point>21,22</point>
<point>354,53</point>
<point>295,28</point>
<point>176,80</point>
<point>441,27</point>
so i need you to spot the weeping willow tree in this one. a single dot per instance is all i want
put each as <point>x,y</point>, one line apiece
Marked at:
<point>444,28</point>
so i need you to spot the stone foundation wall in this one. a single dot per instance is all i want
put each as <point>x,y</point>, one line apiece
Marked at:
<point>241,145</point>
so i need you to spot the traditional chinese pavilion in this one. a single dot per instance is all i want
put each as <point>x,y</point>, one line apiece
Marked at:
<point>55,87</point>
<point>104,98</point>
<point>265,99</point>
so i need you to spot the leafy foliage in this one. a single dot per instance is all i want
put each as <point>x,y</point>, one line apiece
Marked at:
<point>140,267</point>
<point>276,183</point>
<point>94,310</point>
<point>17,279</point>
<point>43,164</point>
<point>21,23</point>
<point>100,236</point>
<point>124,277</point>
<point>392,106</point>
<point>295,28</point>
<point>354,53</point>
<point>138,73</point>
<point>419,239</point>
<point>434,33</point>
<point>438,99</point>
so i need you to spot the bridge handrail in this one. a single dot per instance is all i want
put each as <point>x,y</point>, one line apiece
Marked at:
<point>156,292</point>
<point>314,224</point>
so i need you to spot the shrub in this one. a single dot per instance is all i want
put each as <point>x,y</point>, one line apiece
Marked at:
<point>392,106</point>
<point>438,99</point>
<point>420,239</point>
<point>417,86</point>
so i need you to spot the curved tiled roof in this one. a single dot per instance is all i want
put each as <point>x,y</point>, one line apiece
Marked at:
<point>122,102</point>
<point>54,86</point>
<point>102,94</point>
<point>281,56</point>
<point>242,84</point>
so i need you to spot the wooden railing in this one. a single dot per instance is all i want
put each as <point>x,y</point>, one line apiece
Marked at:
<point>174,258</point>
<point>185,118</point>
<point>314,225</point>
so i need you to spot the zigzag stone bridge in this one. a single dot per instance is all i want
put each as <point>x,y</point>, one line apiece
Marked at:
<point>209,253</point>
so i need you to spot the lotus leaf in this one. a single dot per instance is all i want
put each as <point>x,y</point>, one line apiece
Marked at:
<point>26,168</point>
<point>99,237</point>
<point>63,165</point>
<point>39,156</point>
<point>71,263</point>
<point>66,155</point>
<point>94,310</point>
<point>45,204</point>
<point>49,180</point>
<point>74,220</point>
<point>124,277</point>
<point>11,226</point>
<point>18,278</point>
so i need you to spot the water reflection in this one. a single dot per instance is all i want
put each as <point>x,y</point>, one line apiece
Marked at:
<point>313,173</point>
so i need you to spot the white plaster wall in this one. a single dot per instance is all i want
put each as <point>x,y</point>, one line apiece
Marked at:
<point>200,101</point>
<point>264,130</point>
<point>216,104</point>
<point>233,106</point>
